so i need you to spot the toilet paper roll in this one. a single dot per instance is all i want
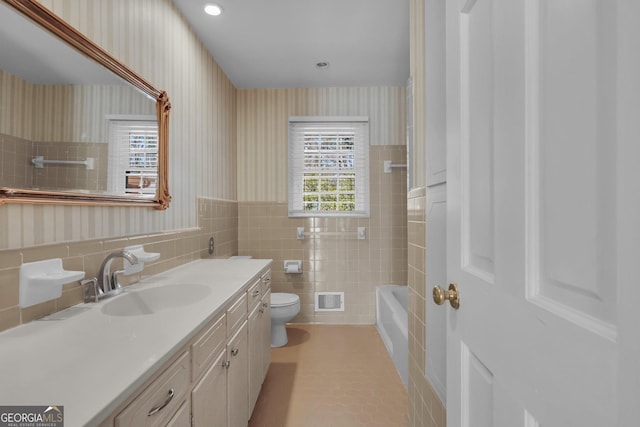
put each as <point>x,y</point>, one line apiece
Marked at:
<point>293,268</point>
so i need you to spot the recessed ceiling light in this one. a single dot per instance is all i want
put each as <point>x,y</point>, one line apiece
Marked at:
<point>213,9</point>
<point>322,64</point>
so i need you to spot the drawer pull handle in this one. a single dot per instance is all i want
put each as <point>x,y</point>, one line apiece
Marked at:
<point>226,364</point>
<point>161,407</point>
<point>256,292</point>
<point>261,310</point>
<point>265,305</point>
<point>234,351</point>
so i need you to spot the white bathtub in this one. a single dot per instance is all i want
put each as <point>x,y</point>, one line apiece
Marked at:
<point>392,319</point>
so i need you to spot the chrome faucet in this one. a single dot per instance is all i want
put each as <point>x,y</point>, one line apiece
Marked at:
<point>108,281</point>
<point>106,284</point>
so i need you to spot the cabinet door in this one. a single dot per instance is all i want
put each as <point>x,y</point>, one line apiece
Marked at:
<point>266,333</point>
<point>255,354</point>
<point>209,396</point>
<point>238,379</point>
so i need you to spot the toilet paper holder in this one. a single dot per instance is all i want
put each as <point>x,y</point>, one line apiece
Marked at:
<point>292,266</point>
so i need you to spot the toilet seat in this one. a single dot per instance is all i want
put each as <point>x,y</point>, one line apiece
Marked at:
<point>283,299</point>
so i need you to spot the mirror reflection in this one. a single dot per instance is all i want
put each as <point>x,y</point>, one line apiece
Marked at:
<point>66,123</point>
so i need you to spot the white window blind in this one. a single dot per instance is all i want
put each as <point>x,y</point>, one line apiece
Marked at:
<point>133,157</point>
<point>328,166</point>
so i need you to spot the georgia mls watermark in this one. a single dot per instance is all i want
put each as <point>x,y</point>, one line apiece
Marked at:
<point>32,416</point>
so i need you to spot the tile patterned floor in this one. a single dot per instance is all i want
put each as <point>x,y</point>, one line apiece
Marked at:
<point>331,376</point>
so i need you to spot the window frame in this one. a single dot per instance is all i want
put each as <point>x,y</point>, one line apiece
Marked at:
<point>359,125</point>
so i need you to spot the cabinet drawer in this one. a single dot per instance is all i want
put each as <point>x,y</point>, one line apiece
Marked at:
<point>206,346</point>
<point>182,418</point>
<point>167,392</point>
<point>254,294</point>
<point>236,313</point>
<point>266,281</point>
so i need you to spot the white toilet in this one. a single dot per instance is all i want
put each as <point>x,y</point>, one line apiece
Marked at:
<point>284,307</point>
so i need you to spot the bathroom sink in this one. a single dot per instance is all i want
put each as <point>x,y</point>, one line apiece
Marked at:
<point>153,300</point>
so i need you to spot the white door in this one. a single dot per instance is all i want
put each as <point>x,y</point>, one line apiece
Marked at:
<point>543,223</point>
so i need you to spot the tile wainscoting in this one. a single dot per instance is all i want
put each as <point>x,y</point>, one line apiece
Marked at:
<point>337,260</point>
<point>425,408</point>
<point>217,218</point>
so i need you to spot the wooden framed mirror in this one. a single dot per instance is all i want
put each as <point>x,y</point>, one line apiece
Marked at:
<point>77,126</point>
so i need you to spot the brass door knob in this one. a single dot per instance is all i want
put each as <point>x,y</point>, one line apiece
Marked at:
<point>440,295</point>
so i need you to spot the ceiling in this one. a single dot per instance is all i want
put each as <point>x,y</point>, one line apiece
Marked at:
<point>277,43</point>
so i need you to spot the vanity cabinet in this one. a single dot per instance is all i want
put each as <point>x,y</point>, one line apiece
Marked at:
<point>266,333</point>
<point>215,379</point>
<point>266,322</point>
<point>259,325</point>
<point>254,326</point>
<point>255,354</point>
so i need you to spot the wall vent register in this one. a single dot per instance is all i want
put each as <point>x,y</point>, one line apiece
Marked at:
<point>329,301</point>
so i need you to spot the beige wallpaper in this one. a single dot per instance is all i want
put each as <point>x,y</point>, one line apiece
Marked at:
<point>79,113</point>
<point>152,38</point>
<point>417,69</point>
<point>60,122</point>
<point>70,113</point>
<point>16,106</point>
<point>263,127</point>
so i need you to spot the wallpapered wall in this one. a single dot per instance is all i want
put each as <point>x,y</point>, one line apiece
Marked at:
<point>60,122</point>
<point>263,129</point>
<point>335,260</point>
<point>69,113</point>
<point>152,38</point>
<point>16,106</point>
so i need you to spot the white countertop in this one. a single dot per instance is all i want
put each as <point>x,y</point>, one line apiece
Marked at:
<point>91,362</point>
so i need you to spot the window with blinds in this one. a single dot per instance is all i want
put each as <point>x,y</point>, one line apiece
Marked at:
<point>133,157</point>
<point>328,166</point>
